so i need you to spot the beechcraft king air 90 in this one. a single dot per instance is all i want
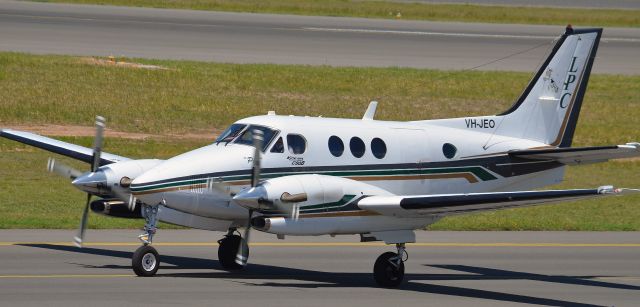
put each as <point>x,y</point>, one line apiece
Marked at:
<point>309,176</point>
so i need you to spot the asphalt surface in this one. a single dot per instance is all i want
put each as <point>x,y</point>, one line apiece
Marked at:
<point>39,267</point>
<point>284,39</point>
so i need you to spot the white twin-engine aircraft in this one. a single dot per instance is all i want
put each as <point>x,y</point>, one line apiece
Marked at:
<point>309,176</point>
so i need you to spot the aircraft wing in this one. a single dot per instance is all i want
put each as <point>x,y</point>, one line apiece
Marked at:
<point>450,204</point>
<point>580,155</point>
<point>63,148</point>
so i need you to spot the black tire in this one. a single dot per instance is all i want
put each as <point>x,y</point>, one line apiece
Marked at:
<point>385,273</point>
<point>227,250</point>
<point>145,261</point>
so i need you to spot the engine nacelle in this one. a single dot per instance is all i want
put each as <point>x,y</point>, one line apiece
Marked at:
<point>306,196</point>
<point>115,208</point>
<point>303,191</point>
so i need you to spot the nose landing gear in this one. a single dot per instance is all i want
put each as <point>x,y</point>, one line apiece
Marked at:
<point>388,270</point>
<point>146,260</point>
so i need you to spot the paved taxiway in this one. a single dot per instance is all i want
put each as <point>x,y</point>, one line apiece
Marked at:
<point>39,267</point>
<point>285,39</point>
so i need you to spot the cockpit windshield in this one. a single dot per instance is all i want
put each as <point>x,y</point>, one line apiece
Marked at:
<point>231,133</point>
<point>246,137</point>
<point>243,135</point>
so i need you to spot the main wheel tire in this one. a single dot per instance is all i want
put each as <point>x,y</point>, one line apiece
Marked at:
<point>386,274</point>
<point>227,250</point>
<point>145,261</point>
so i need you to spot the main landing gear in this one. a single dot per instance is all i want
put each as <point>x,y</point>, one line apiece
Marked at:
<point>389,268</point>
<point>146,261</point>
<point>228,251</point>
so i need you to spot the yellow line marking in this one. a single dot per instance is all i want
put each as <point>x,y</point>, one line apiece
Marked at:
<point>337,244</point>
<point>69,276</point>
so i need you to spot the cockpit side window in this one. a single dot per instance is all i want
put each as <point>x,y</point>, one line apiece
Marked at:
<point>246,137</point>
<point>278,147</point>
<point>296,143</point>
<point>231,133</point>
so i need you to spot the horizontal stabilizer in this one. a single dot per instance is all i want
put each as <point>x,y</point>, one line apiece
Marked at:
<point>580,155</point>
<point>450,204</point>
<point>63,148</point>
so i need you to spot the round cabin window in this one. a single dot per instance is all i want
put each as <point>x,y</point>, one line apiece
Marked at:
<point>449,150</point>
<point>336,146</point>
<point>378,148</point>
<point>357,147</point>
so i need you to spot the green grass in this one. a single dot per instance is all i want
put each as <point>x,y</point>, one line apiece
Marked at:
<point>390,10</point>
<point>203,96</point>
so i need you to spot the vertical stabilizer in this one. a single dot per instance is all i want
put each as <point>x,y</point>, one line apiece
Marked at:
<point>548,109</point>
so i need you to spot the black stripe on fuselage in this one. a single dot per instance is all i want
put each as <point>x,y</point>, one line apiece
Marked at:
<point>432,202</point>
<point>504,165</point>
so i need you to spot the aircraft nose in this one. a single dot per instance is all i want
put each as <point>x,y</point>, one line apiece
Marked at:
<point>92,182</point>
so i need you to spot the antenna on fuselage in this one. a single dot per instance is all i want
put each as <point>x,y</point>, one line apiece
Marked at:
<point>371,110</point>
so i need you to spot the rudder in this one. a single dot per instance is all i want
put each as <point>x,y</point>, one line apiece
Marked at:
<point>548,109</point>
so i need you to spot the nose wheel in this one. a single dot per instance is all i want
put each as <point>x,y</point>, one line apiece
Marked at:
<point>388,270</point>
<point>145,261</point>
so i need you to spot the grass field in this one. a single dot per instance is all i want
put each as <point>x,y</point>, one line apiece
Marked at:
<point>390,10</point>
<point>196,96</point>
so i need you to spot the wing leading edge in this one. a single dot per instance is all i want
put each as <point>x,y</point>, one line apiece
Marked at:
<point>450,204</point>
<point>63,148</point>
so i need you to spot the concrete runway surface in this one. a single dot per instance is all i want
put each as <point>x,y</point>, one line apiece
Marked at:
<point>284,39</point>
<point>41,268</point>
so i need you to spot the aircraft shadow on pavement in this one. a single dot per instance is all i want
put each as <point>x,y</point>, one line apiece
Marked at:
<point>300,278</point>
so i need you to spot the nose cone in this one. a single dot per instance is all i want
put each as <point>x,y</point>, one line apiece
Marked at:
<point>92,182</point>
<point>252,198</point>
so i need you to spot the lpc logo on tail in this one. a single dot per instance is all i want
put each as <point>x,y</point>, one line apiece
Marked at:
<point>309,176</point>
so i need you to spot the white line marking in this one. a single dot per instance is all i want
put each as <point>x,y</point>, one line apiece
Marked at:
<point>456,34</point>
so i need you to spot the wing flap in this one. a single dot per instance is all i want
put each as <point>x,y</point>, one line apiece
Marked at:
<point>580,155</point>
<point>63,148</point>
<point>450,204</point>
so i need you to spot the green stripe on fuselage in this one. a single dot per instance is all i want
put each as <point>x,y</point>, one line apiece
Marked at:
<point>478,171</point>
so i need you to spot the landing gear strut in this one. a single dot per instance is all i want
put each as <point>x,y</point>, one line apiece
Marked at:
<point>389,268</point>
<point>228,249</point>
<point>146,260</point>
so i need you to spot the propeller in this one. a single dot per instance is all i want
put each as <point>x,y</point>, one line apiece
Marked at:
<point>89,182</point>
<point>243,250</point>
<point>95,163</point>
<point>63,170</point>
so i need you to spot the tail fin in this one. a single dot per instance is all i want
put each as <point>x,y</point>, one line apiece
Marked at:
<point>548,109</point>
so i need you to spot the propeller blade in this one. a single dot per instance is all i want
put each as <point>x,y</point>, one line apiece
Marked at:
<point>126,197</point>
<point>290,210</point>
<point>258,139</point>
<point>97,143</point>
<point>63,170</point>
<point>78,239</point>
<point>221,188</point>
<point>243,250</point>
